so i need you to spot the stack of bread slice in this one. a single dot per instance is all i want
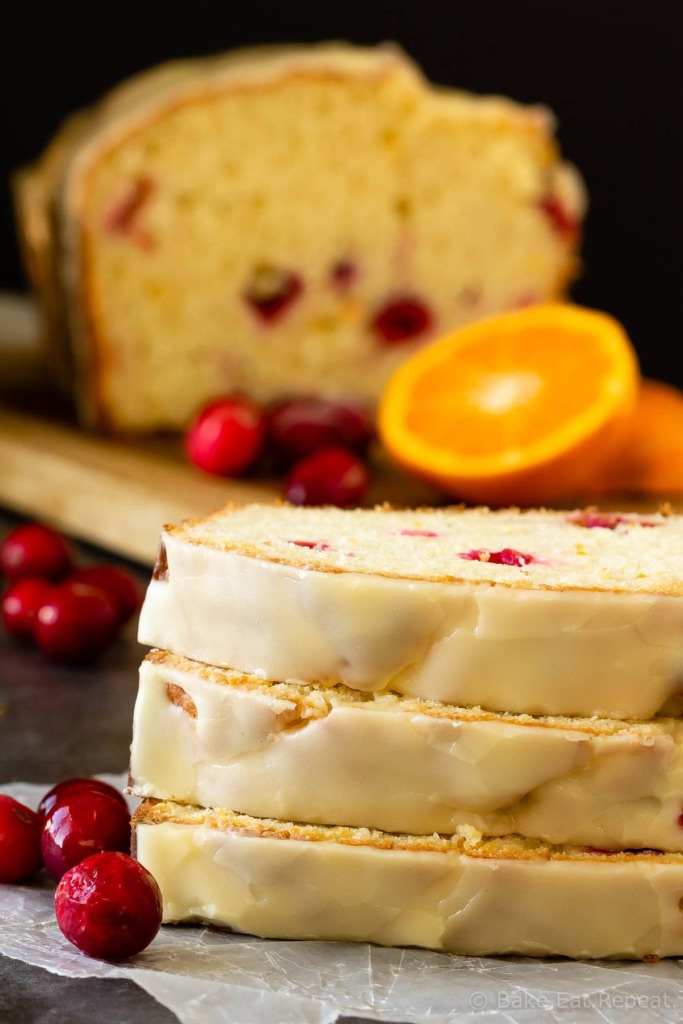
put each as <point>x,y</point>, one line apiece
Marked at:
<point>447,728</point>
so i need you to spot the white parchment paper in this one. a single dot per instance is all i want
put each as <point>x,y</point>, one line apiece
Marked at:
<point>212,977</point>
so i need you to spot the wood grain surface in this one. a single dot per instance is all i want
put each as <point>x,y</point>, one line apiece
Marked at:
<point>118,495</point>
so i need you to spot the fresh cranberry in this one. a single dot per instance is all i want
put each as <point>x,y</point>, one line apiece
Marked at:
<point>271,291</point>
<point>120,585</point>
<point>301,426</point>
<point>332,476</point>
<point>228,436</point>
<point>67,787</point>
<point>20,605</point>
<point>506,556</point>
<point>35,550</point>
<point>109,906</point>
<point>20,855</point>
<point>565,223</point>
<point>76,623</point>
<point>402,319</point>
<point>86,821</point>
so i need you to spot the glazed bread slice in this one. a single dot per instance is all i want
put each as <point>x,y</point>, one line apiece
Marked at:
<point>285,220</point>
<point>496,896</point>
<point>217,738</point>
<point>536,612</point>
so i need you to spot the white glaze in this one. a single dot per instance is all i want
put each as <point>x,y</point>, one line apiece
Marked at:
<point>515,649</point>
<point>445,899</point>
<point>388,764</point>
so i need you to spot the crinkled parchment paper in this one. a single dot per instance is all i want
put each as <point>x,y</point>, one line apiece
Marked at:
<point>212,977</point>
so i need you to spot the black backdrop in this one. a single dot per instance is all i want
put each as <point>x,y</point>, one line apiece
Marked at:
<point>611,74</point>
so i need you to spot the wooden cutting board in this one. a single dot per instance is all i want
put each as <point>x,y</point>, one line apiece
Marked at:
<point>118,495</point>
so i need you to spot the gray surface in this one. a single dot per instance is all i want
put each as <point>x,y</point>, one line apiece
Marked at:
<point>29,995</point>
<point>55,723</point>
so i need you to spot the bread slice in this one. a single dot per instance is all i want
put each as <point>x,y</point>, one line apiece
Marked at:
<point>286,220</point>
<point>217,738</point>
<point>479,897</point>
<point>586,620</point>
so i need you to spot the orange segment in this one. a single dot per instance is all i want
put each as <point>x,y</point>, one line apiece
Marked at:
<point>516,409</point>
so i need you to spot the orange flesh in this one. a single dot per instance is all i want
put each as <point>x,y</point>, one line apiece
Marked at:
<point>519,409</point>
<point>501,392</point>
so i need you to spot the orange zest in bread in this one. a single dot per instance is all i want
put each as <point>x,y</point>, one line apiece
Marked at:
<point>515,409</point>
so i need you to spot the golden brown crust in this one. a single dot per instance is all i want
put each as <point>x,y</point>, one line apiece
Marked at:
<point>181,699</point>
<point>152,812</point>
<point>34,189</point>
<point>315,700</point>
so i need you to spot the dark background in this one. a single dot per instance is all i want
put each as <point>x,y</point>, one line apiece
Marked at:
<point>611,74</point>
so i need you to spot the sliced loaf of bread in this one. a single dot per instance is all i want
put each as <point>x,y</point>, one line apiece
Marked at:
<point>285,220</point>
<point>217,738</point>
<point>474,897</point>
<point>535,612</point>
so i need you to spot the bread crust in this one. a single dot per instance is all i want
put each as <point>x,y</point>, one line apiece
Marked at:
<point>513,848</point>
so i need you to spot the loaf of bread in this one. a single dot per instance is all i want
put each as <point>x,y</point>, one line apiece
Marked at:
<point>216,738</point>
<point>456,894</point>
<point>282,221</point>
<point>534,612</point>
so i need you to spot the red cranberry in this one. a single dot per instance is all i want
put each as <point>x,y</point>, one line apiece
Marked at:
<point>35,550</point>
<point>418,533</point>
<point>506,556</point>
<point>76,623</point>
<point>304,425</point>
<point>313,545</point>
<point>402,319</point>
<point>86,821</point>
<point>67,787</point>
<point>20,605</point>
<point>332,476</point>
<point>565,223</point>
<point>20,855</point>
<point>228,437</point>
<point>109,906</point>
<point>592,519</point>
<point>123,217</point>
<point>271,291</point>
<point>120,585</point>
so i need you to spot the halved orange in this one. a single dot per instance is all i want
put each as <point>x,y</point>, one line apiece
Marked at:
<point>518,409</point>
<point>652,460</point>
